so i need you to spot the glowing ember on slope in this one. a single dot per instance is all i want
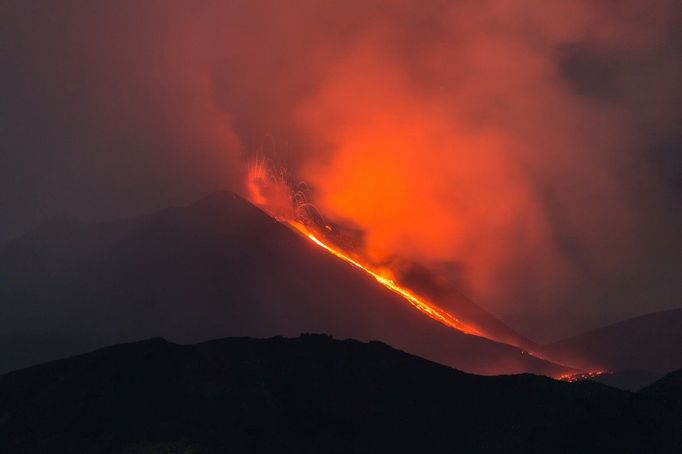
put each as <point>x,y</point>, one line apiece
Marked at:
<point>572,378</point>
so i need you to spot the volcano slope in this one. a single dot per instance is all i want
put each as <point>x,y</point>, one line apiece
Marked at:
<point>316,394</point>
<point>220,267</point>
<point>646,345</point>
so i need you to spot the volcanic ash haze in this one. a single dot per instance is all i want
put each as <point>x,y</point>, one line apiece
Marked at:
<point>508,147</point>
<point>477,156</point>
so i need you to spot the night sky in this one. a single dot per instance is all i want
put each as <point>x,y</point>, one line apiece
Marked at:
<point>530,150</point>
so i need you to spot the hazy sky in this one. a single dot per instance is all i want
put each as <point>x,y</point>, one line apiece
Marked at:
<point>531,148</point>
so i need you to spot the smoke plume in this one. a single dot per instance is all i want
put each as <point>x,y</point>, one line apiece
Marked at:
<point>526,150</point>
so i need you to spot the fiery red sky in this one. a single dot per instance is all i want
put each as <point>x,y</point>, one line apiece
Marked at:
<point>528,151</point>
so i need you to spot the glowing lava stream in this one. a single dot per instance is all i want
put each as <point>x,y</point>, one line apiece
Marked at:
<point>580,376</point>
<point>424,305</point>
<point>419,303</point>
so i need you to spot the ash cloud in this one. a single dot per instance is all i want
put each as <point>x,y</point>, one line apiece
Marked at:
<point>532,146</point>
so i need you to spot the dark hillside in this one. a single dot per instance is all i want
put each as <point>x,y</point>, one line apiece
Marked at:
<point>315,394</point>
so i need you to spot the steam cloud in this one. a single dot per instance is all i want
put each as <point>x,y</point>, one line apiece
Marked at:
<point>523,147</point>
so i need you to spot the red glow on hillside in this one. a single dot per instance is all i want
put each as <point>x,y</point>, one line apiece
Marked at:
<point>575,377</point>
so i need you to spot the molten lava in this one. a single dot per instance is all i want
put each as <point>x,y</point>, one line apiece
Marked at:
<point>419,303</point>
<point>573,377</point>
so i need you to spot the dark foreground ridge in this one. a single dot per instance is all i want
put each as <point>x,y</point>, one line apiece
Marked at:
<point>316,394</point>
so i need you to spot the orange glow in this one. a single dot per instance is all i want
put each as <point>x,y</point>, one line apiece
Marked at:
<point>255,177</point>
<point>268,190</point>
<point>574,377</point>
<point>419,303</point>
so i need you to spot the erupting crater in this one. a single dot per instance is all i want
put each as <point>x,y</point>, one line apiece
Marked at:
<point>290,204</point>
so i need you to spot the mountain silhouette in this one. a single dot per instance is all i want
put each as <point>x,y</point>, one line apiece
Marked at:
<point>316,394</point>
<point>650,343</point>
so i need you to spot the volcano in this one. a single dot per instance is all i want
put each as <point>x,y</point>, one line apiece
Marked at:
<point>219,267</point>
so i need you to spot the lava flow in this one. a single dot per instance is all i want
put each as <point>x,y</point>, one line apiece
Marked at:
<point>419,303</point>
<point>575,377</point>
<point>291,205</point>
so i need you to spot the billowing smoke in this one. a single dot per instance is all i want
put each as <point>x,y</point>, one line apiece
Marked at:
<point>477,144</point>
<point>524,149</point>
